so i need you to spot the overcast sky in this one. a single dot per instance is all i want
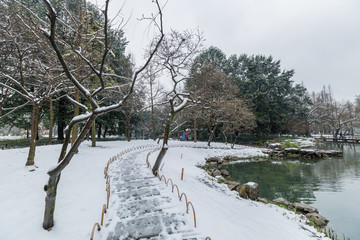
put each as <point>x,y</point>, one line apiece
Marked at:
<point>319,39</point>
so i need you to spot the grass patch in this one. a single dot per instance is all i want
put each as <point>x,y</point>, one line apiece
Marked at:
<point>289,144</point>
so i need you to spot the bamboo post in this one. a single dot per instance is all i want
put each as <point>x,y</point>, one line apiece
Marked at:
<point>93,230</point>
<point>177,188</point>
<point>102,214</point>
<point>186,201</point>
<point>107,199</point>
<point>163,176</point>
<point>187,211</point>
<point>172,183</point>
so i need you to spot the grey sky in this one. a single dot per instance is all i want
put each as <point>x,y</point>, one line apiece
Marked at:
<point>319,39</point>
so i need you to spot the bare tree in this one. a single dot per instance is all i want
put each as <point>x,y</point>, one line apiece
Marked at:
<point>30,70</point>
<point>174,58</point>
<point>327,113</point>
<point>92,108</point>
<point>131,107</point>
<point>155,90</point>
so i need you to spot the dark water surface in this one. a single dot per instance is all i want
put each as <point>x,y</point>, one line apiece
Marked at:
<point>332,185</point>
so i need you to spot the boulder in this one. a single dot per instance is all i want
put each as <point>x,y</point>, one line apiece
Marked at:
<point>292,150</point>
<point>274,145</point>
<point>263,200</point>
<point>213,164</point>
<point>225,173</point>
<point>282,201</point>
<point>318,219</point>
<point>249,190</point>
<point>232,185</point>
<point>215,173</point>
<point>216,160</point>
<point>304,208</point>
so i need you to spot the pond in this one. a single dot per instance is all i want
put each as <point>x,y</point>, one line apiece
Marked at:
<point>331,185</point>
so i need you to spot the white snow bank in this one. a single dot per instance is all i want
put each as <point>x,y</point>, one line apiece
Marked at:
<point>221,213</point>
<point>81,191</point>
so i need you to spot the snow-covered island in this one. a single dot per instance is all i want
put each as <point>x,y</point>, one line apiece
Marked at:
<point>220,213</point>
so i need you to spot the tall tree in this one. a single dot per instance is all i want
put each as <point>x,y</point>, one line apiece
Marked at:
<point>29,73</point>
<point>175,57</point>
<point>217,98</point>
<point>98,74</point>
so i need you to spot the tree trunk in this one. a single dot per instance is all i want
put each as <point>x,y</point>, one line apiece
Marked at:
<point>105,131</point>
<point>93,135</point>
<point>225,137</point>
<point>50,198</point>
<point>164,146</point>
<point>152,112</point>
<point>212,135</point>
<point>127,129</point>
<point>99,130</point>
<point>51,112</point>
<point>34,127</point>
<point>232,141</point>
<point>54,175</point>
<point>76,113</point>
<point>195,128</point>
<point>61,118</point>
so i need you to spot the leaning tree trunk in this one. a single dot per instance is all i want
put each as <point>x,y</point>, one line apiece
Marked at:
<point>34,128</point>
<point>164,148</point>
<point>212,133</point>
<point>225,138</point>
<point>54,174</point>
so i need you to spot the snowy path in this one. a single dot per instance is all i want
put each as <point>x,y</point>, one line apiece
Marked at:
<point>142,206</point>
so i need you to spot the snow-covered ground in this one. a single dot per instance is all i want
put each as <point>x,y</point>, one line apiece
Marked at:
<point>221,214</point>
<point>10,137</point>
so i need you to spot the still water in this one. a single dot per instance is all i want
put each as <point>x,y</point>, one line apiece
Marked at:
<point>331,185</point>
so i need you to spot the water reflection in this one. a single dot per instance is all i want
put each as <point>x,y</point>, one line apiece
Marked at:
<point>332,185</point>
<point>297,180</point>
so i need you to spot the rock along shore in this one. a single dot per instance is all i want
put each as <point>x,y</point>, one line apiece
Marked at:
<point>250,190</point>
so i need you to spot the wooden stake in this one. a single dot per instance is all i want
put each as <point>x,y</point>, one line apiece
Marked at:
<point>182,174</point>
